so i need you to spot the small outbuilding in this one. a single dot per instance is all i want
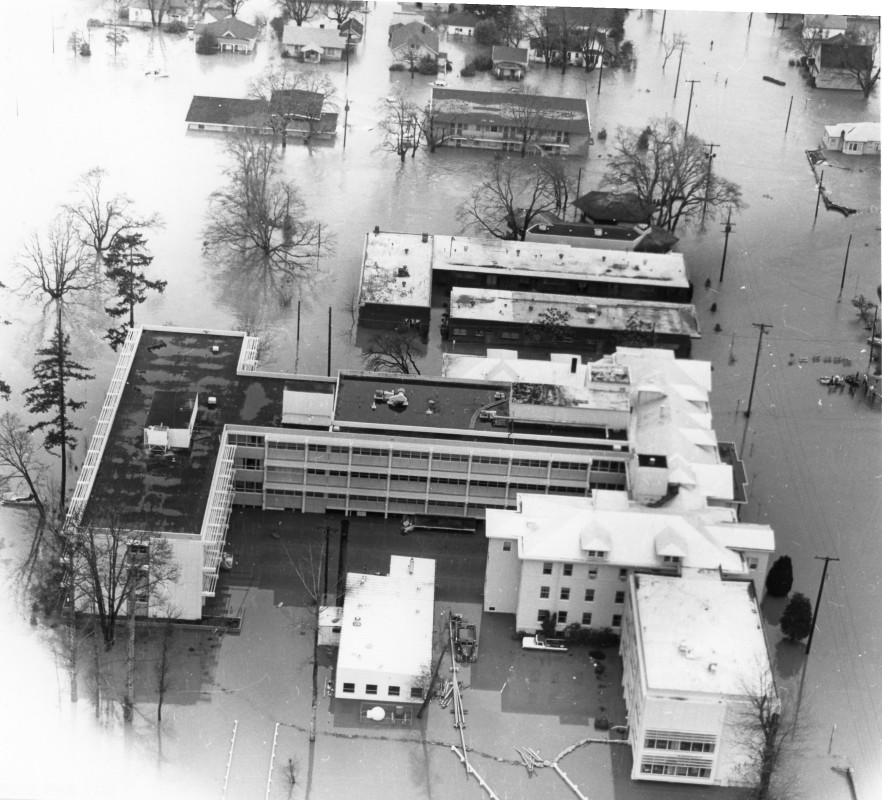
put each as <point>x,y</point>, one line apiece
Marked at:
<point>170,421</point>
<point>853,138</point>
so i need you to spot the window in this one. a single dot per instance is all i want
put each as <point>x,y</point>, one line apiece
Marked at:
<point>620,597</point>
<point>562,616</point>
<point>671,559</point>
<point>596,553</point>
<point>252,463</point>
<point>623,574</point>
<point>586,618</point>
<point>416,693</point>
<point>567,569</point>
<point>752,563</point>
<point>589,595</point>
<point>348,688</point>
<point>565,593</point>
<point>511,336</point>
<point>617,621</point>
<point>506,547</point>
<point>460,332</point>
<point>394,691</point>
<point>371,688</point>
<point>543,614</point>
<point>592,573</point>
<point>547,567</point>
<point>544,592</point>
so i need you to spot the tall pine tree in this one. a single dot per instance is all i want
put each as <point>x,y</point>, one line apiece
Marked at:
<point>126,260</point>
<point>52,372</point>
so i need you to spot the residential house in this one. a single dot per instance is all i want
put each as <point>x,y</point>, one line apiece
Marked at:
<point>461,23</point>
<point>353,29</point>
<point>400,18</point>
<point>513,122</point>
<point>614,208</point>
<point>823,26</point>
<point>695,662</point>
<point>412,42</point>
<point>570,558</point>
<point>853,138</point>
<point>232,35</point>
<point>225,114</point>
<point>509,62</point>
<point>592,325</point>
<point>385,651</point>
<point>174,11</point>
<point>312,45</point>
<point>835,59</point>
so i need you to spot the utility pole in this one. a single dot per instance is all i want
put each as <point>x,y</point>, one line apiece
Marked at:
<point>297,347</point>
<point>710,159</point>
<point>826,560</point>
<point>787,126</point>
<point>691,83</point>
<point>600,77</point>
<point>762,329</point>
<point>345,121</point>
<point>578,189</point>
<point>818,201</point>
<point>329,341</point>
<point>348,45</point>
<point>847,248</point>
<point>664,17</point>
<point>872,337</point>
<point>727,229</point>
<point>679,64</point>
<point>749,20</point>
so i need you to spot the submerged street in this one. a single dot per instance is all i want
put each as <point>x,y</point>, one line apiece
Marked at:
<point>812,453</point>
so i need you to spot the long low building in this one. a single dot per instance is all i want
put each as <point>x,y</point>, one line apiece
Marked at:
<point>595,325</point>
<point>246,115</point>
<point>399,271</point>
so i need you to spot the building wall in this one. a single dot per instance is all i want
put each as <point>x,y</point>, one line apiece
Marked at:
<point>505,137</point>
<point>502,577</point>
<point>315,472</point>
<point>184,598</point>
<point>387,316</point>
<point>383,681</point>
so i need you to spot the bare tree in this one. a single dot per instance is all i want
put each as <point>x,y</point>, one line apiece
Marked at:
<point>116,36</point>
<point>55,266</point>
<point>254,323</point>
<point>507,199</point>
<point>437,125</point>
<point>860,56</point>
<point>163,664</point>
<point>527,118</point>
<point>664,171</point>
<point>299,11</point>
<point>542,32</point>
<point>401,124</point>
<point>671,44</point>
<point>18,458</point>
<point>394,352</point>
<point>234,6</point>
<point>296,97</point>
<point>341,10</point>
<point>158,10</point>
<point>103,219</point>
<point>803,38</point>
<point>259,215</point>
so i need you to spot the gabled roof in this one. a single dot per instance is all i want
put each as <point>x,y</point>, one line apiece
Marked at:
<point>317,37</point>
<point>413,33</point>
<point>518,55</point>
<point>228,111</point>
<point>490,108</point>
<point>173,5</point>
<point>614,207</point>
<point>462,19</point>
<point>352,25</point>
<point>854,131</point>
<point>836,22</point>
<point>229,28</point>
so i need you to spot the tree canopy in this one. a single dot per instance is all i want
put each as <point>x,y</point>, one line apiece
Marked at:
<point>669,171</point>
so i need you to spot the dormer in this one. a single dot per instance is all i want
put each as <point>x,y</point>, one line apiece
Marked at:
<point>595,541</point>
<point>670,547</point>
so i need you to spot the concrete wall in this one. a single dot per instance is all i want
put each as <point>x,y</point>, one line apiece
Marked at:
<point>502,578</point>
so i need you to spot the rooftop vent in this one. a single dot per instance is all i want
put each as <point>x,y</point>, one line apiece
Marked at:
<point>357,622</point>
<point>376,230</point>
<point>574,362</point>
<point>410,567</point>
<point>712,667</point>
<point>215,348</point>
<point>212,401</point>
<point>425,238</point>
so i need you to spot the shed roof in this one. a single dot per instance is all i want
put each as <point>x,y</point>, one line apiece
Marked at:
<point>415,33</point>
<point>318,37</point>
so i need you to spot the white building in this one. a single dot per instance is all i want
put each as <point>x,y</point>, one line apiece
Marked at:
<point>385,650</point>
<point>693,652</point>
<point>571,557</point>
<point>853,138</point>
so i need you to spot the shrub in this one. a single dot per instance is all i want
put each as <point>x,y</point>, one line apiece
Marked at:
<point>468,71</point>
<point>796,621</point>
<point>85,50</point>
<point>278,26</point>
<point>780,578</point>
<point>601,724</point>
<point>176,27</point>
<point>95,23</point>
<point>595,637</point>
<point>482,63</point>
<point>207,44</point>
<point>602,135</point>
<point>396,67</point>
<point>428,65</point>
<point>486,32</point>
<point>549,626</point>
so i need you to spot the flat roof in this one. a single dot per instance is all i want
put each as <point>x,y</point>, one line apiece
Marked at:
<point>169,493</point>
<point>577,397</point>
<point>602,313</point>
<point>699,635</point>
<point>397,270</point>
<point>388,619</point>
<point>431,402</point>
<point>171,409</point>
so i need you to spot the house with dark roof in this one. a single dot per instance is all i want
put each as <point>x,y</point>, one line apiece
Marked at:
<point>614,208</point>
<point>412,42</point>
<point>353,29</point>
<point>232,35</point>
<point>836,59</point>
<point>312,45</point>
<point>509,62</point>
<point>302,109</point>
<point>461,23</point>
<point>515,122</point>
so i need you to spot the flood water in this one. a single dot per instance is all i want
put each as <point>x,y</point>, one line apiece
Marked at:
<point>813,458</point>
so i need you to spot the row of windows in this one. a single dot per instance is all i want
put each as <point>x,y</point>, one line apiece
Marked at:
<point>679,744</point>
<point>245,440</point>
<point>567,569</point>
<point>247,486</point>
<point>675,769</point>
<point>545,593</point>
<point>563,617</point>
<point>607,466</point>
<point>416,693</point>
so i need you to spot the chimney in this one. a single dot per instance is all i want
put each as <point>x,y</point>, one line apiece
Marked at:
<point>376,230</point>
<point>425,238</point>
<point>574,362</point>
<point>410,567</point>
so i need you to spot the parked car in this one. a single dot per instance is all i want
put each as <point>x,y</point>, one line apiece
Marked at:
<point>227,557</point>
<point>540,642</point>
<point>466,642</point>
